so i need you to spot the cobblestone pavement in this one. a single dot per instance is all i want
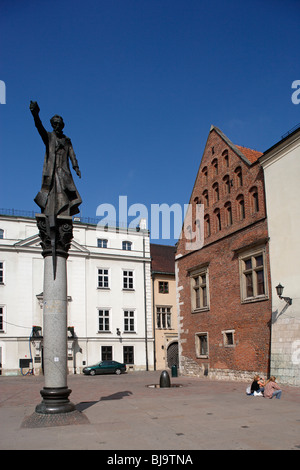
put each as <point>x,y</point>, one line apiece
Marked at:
<point>124,413</point>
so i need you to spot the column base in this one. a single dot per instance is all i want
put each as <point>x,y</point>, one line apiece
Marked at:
<point>55,401</point>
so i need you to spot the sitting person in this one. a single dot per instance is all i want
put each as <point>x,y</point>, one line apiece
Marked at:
<point>257,384</point>
<point>272,389</point>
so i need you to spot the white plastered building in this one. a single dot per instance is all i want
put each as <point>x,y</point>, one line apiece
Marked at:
<point>109,297</point>
<point>281,165</point>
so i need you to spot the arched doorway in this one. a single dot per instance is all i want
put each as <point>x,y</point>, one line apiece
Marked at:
<point>172,355</point>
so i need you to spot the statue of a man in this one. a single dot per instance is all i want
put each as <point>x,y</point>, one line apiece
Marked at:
<point>58,194</point>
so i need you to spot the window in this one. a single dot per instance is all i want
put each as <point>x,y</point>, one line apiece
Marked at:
<point>199,290</point>
<point>163,317</point>
<point>1,318</point>
<point>106,353</point>
<point>103,278</point>
<point>218,224</point>
<point>228,338</point>
<point>128,279</point>
<point>163,287</point>
<point>207,226</point>
<point>102,243</point>
<point>253,276</point>
<point>228,214</point>
<point>254,200</point>
<point>226,158</point>
<point>128,354</point>
<point>129,321</point>
<point>126,246</point>
<point>205,196</point>
<point>240,207</point>
<point>216,192</point>
<point>226,184</point>
<point>201,344</point>
<point>1,272</point>
<point>1,233</point>
<point>204,175</point>
<point>215,167</point>
<point>238,177</point>
<point>103,315</point>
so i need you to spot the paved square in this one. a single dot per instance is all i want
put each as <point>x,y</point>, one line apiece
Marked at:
<point>125,414</point>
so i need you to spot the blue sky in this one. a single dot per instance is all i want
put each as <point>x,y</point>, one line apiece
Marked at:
<point>139,83</point>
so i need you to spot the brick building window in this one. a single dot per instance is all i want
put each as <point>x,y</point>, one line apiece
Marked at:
<point>228,338</point>
<point>218,224</point>
<point>254,200</point>
<point>207,226</point>
<point>226,158</point>
<point>199,290</point>
<point>215,167</point>
<point>226,181</point>
<point>201,344</point>
<point>238,177</point>
<point>253,274</point>
<point>240,207</point>
<point>228,214</point>
<point>205,196</point>
<point>204,175</point>
<point>216,192</point>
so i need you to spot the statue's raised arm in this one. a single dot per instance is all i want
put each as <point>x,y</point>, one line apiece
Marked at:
<point>34,108</point>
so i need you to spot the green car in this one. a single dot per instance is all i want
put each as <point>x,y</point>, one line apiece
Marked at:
<point>105,367</point>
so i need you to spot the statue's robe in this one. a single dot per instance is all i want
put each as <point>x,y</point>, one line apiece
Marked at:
<point>58,194</point>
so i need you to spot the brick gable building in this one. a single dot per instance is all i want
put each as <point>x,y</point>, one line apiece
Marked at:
<point>223,289</point>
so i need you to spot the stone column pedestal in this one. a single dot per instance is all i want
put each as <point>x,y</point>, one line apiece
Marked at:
<point>56,236</point>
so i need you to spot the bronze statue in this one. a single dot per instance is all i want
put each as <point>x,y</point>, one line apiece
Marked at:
<point>58,194</point>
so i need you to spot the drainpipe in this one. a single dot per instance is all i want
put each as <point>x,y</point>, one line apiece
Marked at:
<point>145,304</point>
<point>154,329</point>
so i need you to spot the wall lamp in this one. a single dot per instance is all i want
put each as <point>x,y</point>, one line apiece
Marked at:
<point>279,290</point>
<point>118,332</point>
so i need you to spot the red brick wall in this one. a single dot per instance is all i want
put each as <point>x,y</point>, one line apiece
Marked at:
<point>250,321</point>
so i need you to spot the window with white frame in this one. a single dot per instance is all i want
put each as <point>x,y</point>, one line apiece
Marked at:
<point>1,233</point>
<point>253,275</point>
<point>129,321</point>
<point>199,290</point>
<point>2,308</point>
<point>163,317</point>
<point>1,272</point>
<point>102,243</point>
<point>127,279</point>
<point>104,320</point>
<point>103,278</point>
<point>126,245</point>
<point>201,344</point>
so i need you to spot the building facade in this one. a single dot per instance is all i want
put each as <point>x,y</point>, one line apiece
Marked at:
<point>223,288</point>
<point>109,297</point>
<point>281,165</point>
<point>164,306</point>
